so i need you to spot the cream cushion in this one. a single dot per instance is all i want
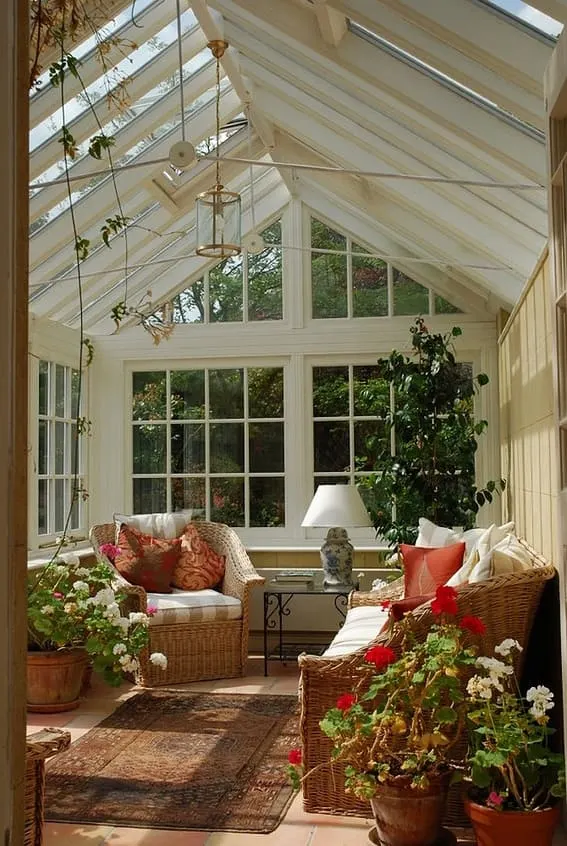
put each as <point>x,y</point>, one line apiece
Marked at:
<point>478,543</point>
<point>507,555</point>
<point>362,625</point>
<point>159,525</point>
<point>193,606</point>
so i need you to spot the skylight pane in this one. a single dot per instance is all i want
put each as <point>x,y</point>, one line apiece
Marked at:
<point>528,15</point>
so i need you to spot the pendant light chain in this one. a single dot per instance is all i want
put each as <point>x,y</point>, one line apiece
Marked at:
<point>180,61</point>
<point>217,100</point>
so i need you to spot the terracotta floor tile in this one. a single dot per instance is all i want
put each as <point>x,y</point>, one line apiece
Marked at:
<point>146,837</point>
<point>293,834</point>
<point>35,722</point>
<point>68,834</point>
<point>347,834</point>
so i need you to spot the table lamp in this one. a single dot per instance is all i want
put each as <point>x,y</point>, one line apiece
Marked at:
<point>339,507</point>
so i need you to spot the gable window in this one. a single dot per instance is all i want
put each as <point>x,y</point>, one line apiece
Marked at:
<point>61,506</point>
<point>211,440</point>
<point>245,288</point>
<point>348,281</point>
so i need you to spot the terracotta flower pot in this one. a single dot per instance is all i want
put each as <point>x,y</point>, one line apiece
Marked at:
<point>406,817</point>
<point>522,828</point>
<point>54,680</point>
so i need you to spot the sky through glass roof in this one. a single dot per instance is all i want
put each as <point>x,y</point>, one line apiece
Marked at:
<point>527,14</point>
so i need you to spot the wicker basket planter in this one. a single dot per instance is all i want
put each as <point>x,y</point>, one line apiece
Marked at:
<point>39,747</point>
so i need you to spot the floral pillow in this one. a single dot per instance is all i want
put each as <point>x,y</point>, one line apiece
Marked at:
<point>199,566</point>
<point>147,561</point>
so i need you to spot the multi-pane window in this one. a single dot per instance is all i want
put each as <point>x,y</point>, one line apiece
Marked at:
<point>211,440</point>
<point>347,281</point>
<point>348,402</point>
<point>60,460</point>
<point>243,288</point>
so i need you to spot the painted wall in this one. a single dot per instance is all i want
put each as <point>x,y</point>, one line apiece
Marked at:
<point>527,423</point>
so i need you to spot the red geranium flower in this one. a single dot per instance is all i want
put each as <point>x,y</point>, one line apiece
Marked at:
<point>473,624</point>
<point>294,756</point>
<point>445,601</point>
<point>346,701</point>
<point>386,604</point>
<point>380,656</point>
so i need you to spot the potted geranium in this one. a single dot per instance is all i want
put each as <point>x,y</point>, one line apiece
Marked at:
<point>397,737</point>
<point>75,620</point>
<point>516,777</point>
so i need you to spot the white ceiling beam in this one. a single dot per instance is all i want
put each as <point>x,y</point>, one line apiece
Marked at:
<point>403,222</point>
<point>167,280</point>
<point>514,91</point>
<point>152,19</point>
<point>91,209</point>
<point>479,225</point>
<point>385,82</point>
<point>142,126</point>
<point>162,65</point>
<point>473,30</point>
<point>151,234</point>
<point>395,142</point>
<point>332,24</point>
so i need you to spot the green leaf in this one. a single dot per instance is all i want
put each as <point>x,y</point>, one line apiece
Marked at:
<point>482,379</point>
<point>480,777</point>
<point>447,715</point>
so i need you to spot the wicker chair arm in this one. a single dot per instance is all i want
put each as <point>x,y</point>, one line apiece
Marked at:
<point>395,590</point>
<point>43,744</point>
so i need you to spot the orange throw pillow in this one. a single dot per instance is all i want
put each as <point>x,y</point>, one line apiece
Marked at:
<point>427,569</point>
<point>146,561</point>
<point>199,566</point>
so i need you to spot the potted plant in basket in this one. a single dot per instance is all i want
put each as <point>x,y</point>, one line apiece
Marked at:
<point>516,777</point>
<point>397,736</point>
<point>74,621</point>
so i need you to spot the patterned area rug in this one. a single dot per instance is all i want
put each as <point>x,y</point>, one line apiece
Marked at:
<point>180,760</point>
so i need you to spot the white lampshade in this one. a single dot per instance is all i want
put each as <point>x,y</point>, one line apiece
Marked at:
<point>337,505</point>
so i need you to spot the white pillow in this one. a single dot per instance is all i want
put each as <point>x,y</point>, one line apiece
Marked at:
<point>433,536</point>
<point>506,556</point>
<point>479,544</point>
<point>168,524</point>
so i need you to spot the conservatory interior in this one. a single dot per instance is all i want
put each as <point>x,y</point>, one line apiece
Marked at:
<point>237,209</point>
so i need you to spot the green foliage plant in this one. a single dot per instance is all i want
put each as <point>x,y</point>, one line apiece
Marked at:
<point>431,471</point>
<point>74,606</point>
<point>512,764</point>
<point>402,727</point>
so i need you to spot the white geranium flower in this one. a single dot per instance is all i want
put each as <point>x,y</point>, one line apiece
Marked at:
<point>80,585</point>
<point>71,559</point>
<point>506,647</point>
<point>105,596</point>
<point>480,687</point>
<point>138,617</point>
<point>124,659</point>
<point>122,623</point>
<point>494,666</point>
<point>119,648</point>
<point>129,664</point>
<point>82,571</point>
<point>70,607</point>
<point>541,698</point>
<point>111,612</point>
<point>159,659</point>
<point>47,610</point>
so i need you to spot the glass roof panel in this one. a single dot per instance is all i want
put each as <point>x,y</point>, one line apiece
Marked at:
<point>446,80</point>
<point>45,130</point>
<point>526,14</point>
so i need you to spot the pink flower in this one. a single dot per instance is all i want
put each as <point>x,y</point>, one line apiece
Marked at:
<point>58,595</point>
<point>151,610</point>
<point>294,756</point>
<point>494,800</point>
<point>110,550</point>
<point>346,701</point>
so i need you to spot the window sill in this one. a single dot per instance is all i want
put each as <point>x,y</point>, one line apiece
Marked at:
<point>39,559</point>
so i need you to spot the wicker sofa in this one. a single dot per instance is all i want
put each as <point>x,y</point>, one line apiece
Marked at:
<point>196,650</point>
<point>507,604</point>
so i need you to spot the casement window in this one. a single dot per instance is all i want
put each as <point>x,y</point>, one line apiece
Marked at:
<point>60,456</point>
<point>210,439</point>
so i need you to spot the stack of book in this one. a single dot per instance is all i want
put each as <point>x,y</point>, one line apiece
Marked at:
<point>295,577</point>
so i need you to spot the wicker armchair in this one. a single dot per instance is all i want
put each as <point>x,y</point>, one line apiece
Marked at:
<point>39,746</point>
<point>196,650</point>
<point>507,605</point>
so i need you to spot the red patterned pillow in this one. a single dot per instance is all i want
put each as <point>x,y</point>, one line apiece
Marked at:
<point>147,561</point>
<point>199,566</point>
<point>427,569</point>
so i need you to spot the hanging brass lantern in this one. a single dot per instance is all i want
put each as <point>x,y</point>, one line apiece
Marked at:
<point>218,210</point>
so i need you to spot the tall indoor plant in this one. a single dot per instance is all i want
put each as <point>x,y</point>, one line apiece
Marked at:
<point>431,471</point>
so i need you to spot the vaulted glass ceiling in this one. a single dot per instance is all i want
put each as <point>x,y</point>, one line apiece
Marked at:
<point>444,116</point>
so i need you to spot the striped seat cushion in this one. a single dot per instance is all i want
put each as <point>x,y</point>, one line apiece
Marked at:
<point>196,606</point>
<point>361,626</point>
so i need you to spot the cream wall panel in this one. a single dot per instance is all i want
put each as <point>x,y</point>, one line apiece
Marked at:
<point>527,422</point>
